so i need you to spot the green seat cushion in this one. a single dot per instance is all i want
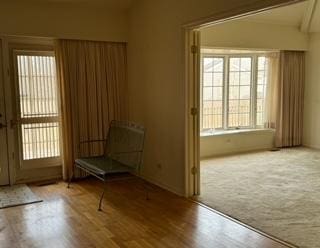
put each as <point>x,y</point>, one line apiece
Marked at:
<point>102,165</point>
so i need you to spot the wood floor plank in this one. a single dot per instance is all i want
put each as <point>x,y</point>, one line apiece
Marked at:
<point>69,218</point>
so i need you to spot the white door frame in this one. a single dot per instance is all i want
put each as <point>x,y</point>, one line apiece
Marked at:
<point>4,163</point>
<point>8,43</point>
<point>192,83</point>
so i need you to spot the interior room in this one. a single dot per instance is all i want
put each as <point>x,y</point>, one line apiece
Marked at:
<point>259,160</point>
<point>137,123</point>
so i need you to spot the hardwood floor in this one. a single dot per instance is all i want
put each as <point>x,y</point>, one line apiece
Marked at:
<point>69,218</point>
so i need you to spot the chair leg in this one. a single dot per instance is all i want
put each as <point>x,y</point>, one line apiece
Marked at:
<point>101,197</point>
<point>70,179</point>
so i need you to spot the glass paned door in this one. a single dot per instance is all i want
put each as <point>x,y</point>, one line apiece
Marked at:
<point>37,109</point>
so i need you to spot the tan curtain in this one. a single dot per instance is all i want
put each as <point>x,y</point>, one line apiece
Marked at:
<point>272,90</point>
<point>291,98</point>
<point>93,87</point>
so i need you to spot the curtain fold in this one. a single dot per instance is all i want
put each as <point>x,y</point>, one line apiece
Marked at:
<point>93,87</point>
<point>272,91</point>
<point>289,124</point>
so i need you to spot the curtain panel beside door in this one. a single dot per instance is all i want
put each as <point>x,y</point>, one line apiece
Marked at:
<point>93,87</point>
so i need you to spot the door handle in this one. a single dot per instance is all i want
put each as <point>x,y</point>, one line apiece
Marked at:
<point>2,126</point>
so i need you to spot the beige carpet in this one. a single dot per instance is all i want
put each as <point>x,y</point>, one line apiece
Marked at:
<point>275,192</point>
<point>11,196</point>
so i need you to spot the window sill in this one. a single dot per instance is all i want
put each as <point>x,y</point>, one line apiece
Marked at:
<point>235,131</point>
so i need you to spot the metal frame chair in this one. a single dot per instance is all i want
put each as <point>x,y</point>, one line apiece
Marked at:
<point>123,151</point>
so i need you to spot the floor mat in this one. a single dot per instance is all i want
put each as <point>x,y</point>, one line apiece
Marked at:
<point>16,195</point>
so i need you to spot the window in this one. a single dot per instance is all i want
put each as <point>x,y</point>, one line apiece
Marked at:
<point>233,91</point>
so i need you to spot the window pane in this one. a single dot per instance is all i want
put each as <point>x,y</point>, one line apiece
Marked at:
<point>261,63</point>
<point>260,120</point>
<point>218,64</point>
<point>208,64</point>
<point>245,64</point>
<point>217,93</point>
<point>234,92</point>
<point>245,92</point>
<point>244,106</point>
<point>261,89</point>
<point>207,107</point>
<point>234,64</point>
<point>212,92</point>
<point>234,78</point>
<point>217,107</point>
<point>207,93</point>
<point>261,77</point>
<point>244,120</point>
<point>218,79</point>
<point>260,105</point>
<point>233,106</point>
<point>37,86</point>
<point>245,78</point>
<point>207,122</point>
<point>207,79</point>
<point>40,140</point>
<point>233,120</point>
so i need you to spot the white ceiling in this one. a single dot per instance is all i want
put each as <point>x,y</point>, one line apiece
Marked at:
<point>315,22</point>
<point>304,15</point>
<point>291,15</point>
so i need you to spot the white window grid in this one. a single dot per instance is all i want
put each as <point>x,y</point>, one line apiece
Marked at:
<point>253,122</point>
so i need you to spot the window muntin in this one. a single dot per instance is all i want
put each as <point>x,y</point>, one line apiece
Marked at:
<point>239,97</point>
<point>212,94</point>
<point>261,89</point>
<point>233,91</point>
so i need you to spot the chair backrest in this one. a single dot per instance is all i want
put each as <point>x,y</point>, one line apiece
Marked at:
<point>125,143</point>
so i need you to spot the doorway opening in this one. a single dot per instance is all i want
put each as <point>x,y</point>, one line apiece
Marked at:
<point>238,75</point>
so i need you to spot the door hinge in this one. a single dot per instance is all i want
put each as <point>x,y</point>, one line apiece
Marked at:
<point>194,111</point>
<point>194,170</point>
<point>194,49</point>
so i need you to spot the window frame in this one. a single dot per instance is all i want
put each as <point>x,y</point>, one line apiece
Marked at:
<point>225,99</point>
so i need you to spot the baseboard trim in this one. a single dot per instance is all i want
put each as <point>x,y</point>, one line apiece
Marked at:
<point>311,146</point>
<point>162,185</point>
<point>237,152</point>
<point>285,243</point>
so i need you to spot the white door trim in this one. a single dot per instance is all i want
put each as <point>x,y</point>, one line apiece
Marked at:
<point>191,76</point>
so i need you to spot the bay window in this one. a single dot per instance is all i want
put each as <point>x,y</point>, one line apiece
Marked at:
<point>233,91</point>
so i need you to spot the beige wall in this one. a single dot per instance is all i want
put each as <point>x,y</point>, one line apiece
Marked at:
<point>62,20</point>
<point>222,144</point>
<point>156,71</point>
<point>244,34</point>
<point>312,94</point>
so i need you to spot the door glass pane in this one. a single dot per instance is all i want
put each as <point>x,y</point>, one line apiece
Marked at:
<point>40,140</point>
<point>37,86</point>
<point>38,106</point>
